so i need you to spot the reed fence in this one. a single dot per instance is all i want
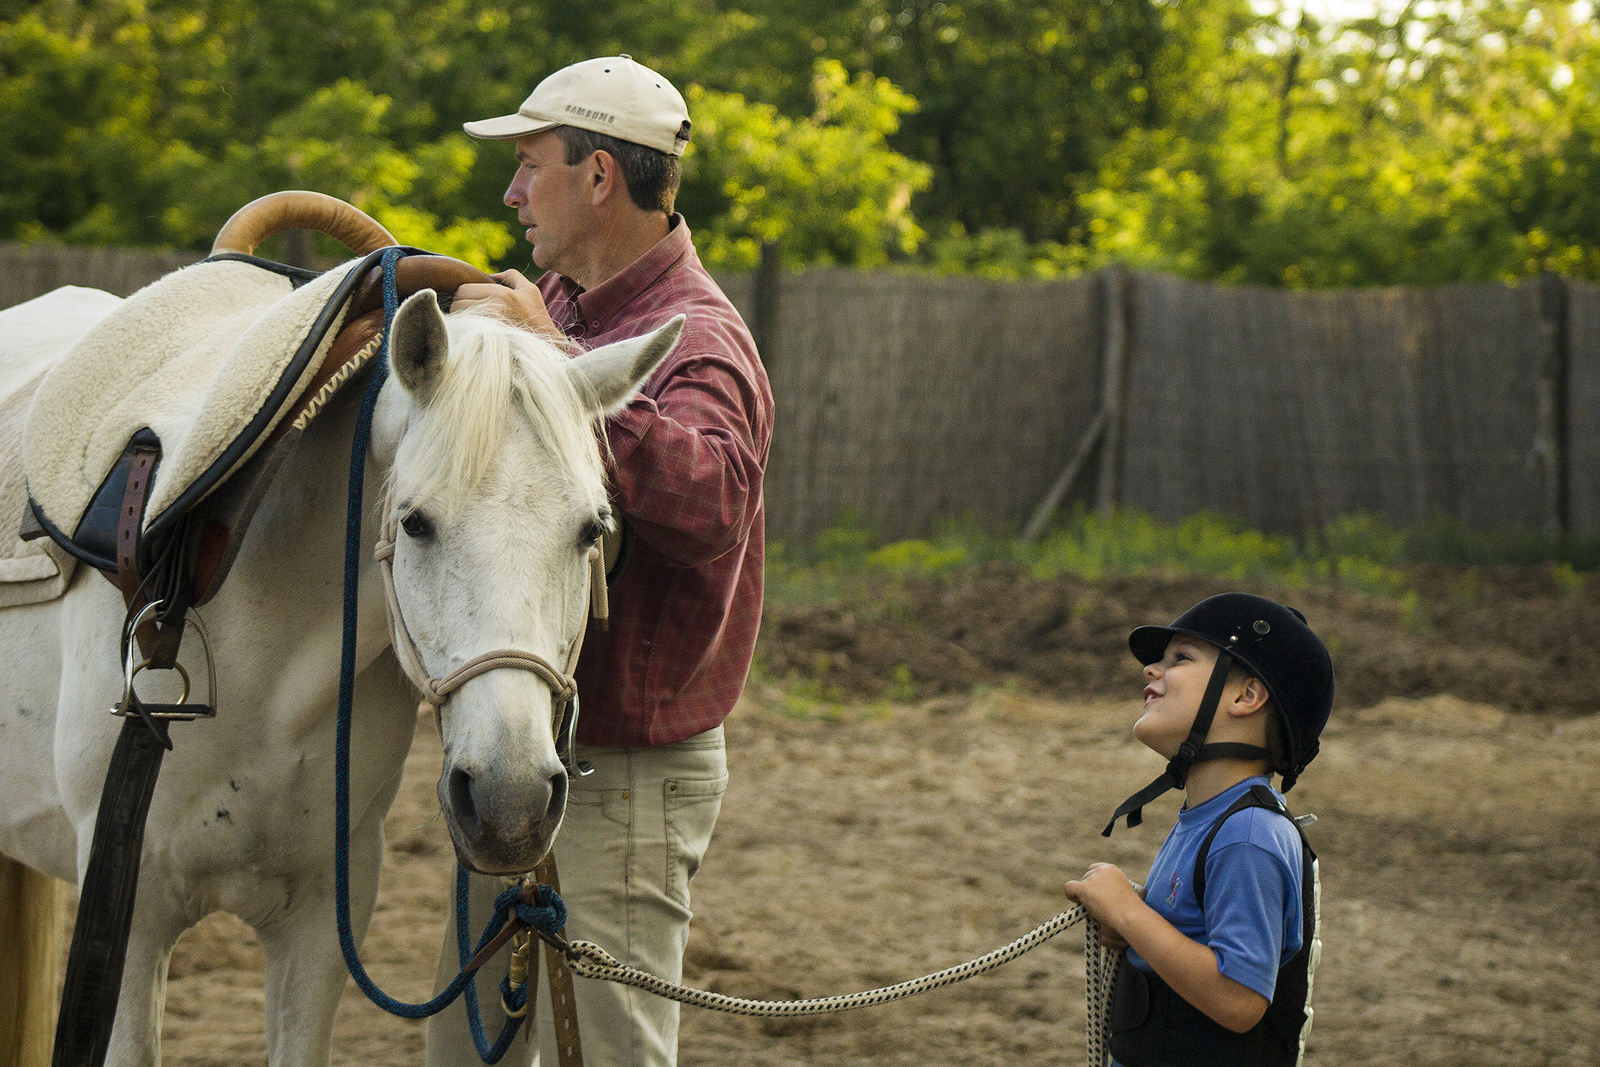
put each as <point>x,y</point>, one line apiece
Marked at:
<point>911,400</point>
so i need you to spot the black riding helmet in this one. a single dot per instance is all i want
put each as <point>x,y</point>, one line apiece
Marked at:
<point>1272,642</point>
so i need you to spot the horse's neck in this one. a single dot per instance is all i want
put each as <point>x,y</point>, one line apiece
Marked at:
<point>284,594</point>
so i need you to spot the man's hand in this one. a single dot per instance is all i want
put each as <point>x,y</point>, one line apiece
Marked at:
<point>1106,893</point>
<point>514,298</point>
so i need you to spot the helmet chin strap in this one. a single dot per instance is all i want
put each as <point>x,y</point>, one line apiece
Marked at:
<point>1193,750</point>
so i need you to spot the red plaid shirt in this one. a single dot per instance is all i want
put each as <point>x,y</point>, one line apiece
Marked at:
<point>687,459</point>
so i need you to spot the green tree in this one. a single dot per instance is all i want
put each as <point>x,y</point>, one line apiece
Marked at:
<point>826,186</point>
<point>1214,138</point>
<point>1436,144</point>
<point>337,142</point>
<point>1017,98</point>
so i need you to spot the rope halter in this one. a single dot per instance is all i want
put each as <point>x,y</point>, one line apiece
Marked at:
<point>435,691</point>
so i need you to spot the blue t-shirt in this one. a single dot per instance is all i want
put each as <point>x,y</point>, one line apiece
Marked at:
<point>1252,919</point>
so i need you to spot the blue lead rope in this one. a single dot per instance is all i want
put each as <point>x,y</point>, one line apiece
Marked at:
<point>550,915</point>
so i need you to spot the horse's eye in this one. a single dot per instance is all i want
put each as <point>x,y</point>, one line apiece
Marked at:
<point>592,532</point>
<point>416,524</point>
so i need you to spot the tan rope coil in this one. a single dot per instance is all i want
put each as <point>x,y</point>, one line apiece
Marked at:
<point>589,960</point>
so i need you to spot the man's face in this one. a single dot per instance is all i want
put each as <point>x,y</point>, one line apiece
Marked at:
<point>552,200</point>
<point>1174,686</point>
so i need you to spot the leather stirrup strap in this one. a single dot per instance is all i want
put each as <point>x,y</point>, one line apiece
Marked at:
<point>93,982</point>
<point>105,908</point>
<point>563,1006</point>
<point>130,517</point>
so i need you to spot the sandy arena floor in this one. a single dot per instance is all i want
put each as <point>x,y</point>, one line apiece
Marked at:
<point>871,843</point>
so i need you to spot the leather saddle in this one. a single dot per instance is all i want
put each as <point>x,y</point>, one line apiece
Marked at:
<point>213,371</point>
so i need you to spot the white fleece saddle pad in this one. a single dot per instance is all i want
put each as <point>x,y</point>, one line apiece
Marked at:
<point>33,337</point>
<point>194,358</point>
<point>30,571</point>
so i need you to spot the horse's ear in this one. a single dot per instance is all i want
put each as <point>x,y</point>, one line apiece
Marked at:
<point>418,344</point>
<point>609,375</point>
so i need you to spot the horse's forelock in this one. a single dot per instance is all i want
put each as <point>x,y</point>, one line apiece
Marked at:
<point>494,370</point>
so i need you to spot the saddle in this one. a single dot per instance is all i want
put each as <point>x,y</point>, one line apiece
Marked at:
<point>213,370</point>
<point>202,366</point>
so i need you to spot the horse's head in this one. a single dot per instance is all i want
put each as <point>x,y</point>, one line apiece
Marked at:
<point>497,496</point>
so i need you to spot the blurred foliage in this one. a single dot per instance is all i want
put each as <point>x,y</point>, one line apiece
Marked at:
<point>1357,552</point>
<point>1446,142</point>
<point>1226,139</point>
<point>826,187</point>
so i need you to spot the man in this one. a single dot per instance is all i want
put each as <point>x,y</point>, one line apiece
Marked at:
<point>597,147</point>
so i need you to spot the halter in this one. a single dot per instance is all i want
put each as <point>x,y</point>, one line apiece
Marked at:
<point>563,686</point>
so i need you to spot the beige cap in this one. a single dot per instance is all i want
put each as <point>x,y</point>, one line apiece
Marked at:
<point>613,95</point>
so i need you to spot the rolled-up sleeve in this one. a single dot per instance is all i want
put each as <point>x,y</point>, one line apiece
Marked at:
<point>686,464</point>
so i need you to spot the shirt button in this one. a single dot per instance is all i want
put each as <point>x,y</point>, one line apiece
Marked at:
<point>595,325</point>
<point>627,793</point>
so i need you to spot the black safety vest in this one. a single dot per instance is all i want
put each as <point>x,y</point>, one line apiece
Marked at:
<point>1152,1026</point>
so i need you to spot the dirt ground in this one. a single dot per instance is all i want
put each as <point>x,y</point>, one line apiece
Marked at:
<point>911,783</point>
<point>1520,638</point>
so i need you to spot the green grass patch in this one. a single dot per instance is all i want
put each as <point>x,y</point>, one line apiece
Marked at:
<point>1358,552</point>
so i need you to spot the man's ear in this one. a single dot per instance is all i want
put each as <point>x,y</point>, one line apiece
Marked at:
<point>605,180</point>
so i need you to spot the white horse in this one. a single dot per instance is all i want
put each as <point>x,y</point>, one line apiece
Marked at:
<point>484,454</point>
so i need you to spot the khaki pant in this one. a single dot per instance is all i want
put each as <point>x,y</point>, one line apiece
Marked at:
<point>635,832</point>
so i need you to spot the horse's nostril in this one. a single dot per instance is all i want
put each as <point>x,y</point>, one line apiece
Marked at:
<point>466,811</point>
<point>558,797</point>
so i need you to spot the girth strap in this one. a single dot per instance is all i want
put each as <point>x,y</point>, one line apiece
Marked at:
<point>105,908</point>
<point>111,880</point>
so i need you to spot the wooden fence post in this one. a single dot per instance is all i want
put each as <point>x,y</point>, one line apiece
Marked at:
<point>299,245</point>
<point>764,301</point>
<point>1058,492</point>
<point>1105,429</point>
<point>1114,357</point>
<point>1550,437</point>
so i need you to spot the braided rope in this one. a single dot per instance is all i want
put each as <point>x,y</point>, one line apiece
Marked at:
<point>588,960</point>
<point>1099,978</point>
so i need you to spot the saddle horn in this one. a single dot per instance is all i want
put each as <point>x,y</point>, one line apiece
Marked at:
<point>299,209</point>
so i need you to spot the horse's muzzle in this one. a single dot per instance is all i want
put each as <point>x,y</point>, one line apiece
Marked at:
<point>499,827</point>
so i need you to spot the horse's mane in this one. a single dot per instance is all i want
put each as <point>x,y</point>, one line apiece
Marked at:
<point>494,370</point>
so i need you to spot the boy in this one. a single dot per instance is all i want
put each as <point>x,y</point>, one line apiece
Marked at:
<point>1221,944</point>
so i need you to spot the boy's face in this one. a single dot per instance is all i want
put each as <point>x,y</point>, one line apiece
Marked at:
<point>1174,686</point>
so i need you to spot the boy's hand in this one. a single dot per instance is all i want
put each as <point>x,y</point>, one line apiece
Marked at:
<point>515,299</point>
<point>1106,893</point>
<point>1188,966</point>
<point>1112,940</point>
